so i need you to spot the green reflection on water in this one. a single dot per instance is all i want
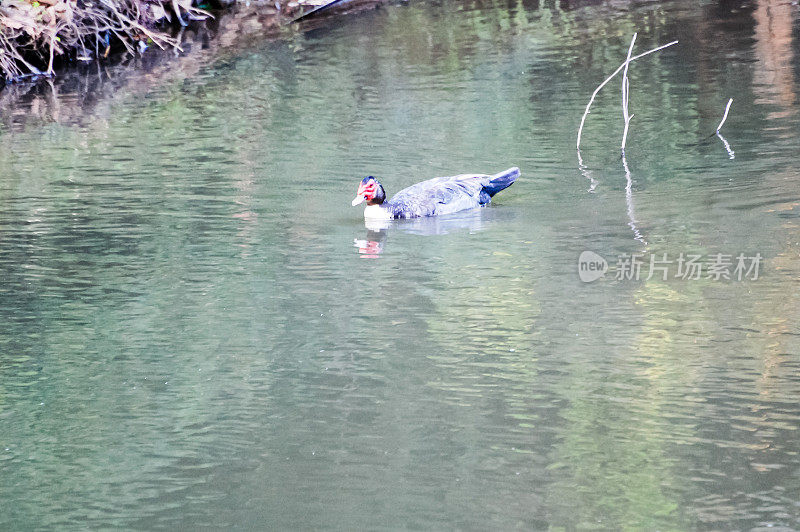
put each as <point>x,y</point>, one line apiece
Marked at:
<point>191,338</point>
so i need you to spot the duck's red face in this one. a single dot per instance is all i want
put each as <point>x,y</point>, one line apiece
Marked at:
<point>367,190</point>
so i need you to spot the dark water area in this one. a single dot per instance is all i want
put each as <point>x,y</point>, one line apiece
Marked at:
<point>199,331</point>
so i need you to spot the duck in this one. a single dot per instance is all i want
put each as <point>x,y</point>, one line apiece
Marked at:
<point>440,195</point>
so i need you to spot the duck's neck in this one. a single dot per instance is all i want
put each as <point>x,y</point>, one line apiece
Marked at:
<point>377,211</point>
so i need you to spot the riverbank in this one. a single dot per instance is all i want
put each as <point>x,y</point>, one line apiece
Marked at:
<point>37,37</point>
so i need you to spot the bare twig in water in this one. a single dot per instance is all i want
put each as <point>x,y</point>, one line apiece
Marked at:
<point>317,9</point>
<point>626,87</point>
<point>609,78</point>
<point>725,116</point>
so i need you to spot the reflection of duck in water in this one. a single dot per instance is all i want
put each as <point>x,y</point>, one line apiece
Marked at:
<point>372,245</point>
<point>472,221</point>
<point>440,195</point>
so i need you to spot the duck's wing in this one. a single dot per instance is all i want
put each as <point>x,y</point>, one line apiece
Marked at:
<point>441,195</point>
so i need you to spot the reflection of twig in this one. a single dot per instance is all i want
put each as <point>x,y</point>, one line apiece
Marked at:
<point>629,201</point>
<point>626,87</point>
<point>725,117</point>
<point>727,146</point>
<point>609,78</point>
<point>54,102</point>
<point>586,173</point>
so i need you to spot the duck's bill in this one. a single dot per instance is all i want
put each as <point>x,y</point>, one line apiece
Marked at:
<point>359,199</point>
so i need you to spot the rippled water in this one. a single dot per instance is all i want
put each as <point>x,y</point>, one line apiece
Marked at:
<point>198,331</point>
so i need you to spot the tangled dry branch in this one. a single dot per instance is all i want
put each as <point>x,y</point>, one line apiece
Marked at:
<point>33,33</point>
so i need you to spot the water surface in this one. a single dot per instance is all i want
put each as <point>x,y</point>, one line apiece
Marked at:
<point>198,331</point>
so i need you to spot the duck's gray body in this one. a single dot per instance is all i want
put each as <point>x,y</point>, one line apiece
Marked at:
<point>445,195</point>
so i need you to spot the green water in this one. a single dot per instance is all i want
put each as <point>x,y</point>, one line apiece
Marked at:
<point>197,330</point>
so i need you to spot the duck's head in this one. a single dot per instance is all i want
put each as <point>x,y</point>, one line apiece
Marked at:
<point>370,190</point>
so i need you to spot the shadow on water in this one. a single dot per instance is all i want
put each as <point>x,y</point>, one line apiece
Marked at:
<point>82,92</point>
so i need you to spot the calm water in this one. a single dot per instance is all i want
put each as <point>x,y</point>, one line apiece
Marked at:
<point>198,331</point>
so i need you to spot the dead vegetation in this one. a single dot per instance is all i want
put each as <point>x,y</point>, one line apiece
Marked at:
<point>34,34</point>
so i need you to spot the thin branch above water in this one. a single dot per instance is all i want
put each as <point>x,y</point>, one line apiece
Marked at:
<point>609,78</point>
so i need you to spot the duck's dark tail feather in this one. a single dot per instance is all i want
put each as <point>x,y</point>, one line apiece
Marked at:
<point>501,181</point>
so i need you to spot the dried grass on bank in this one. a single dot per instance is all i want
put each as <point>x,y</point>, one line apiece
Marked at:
<point>35,33</point>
